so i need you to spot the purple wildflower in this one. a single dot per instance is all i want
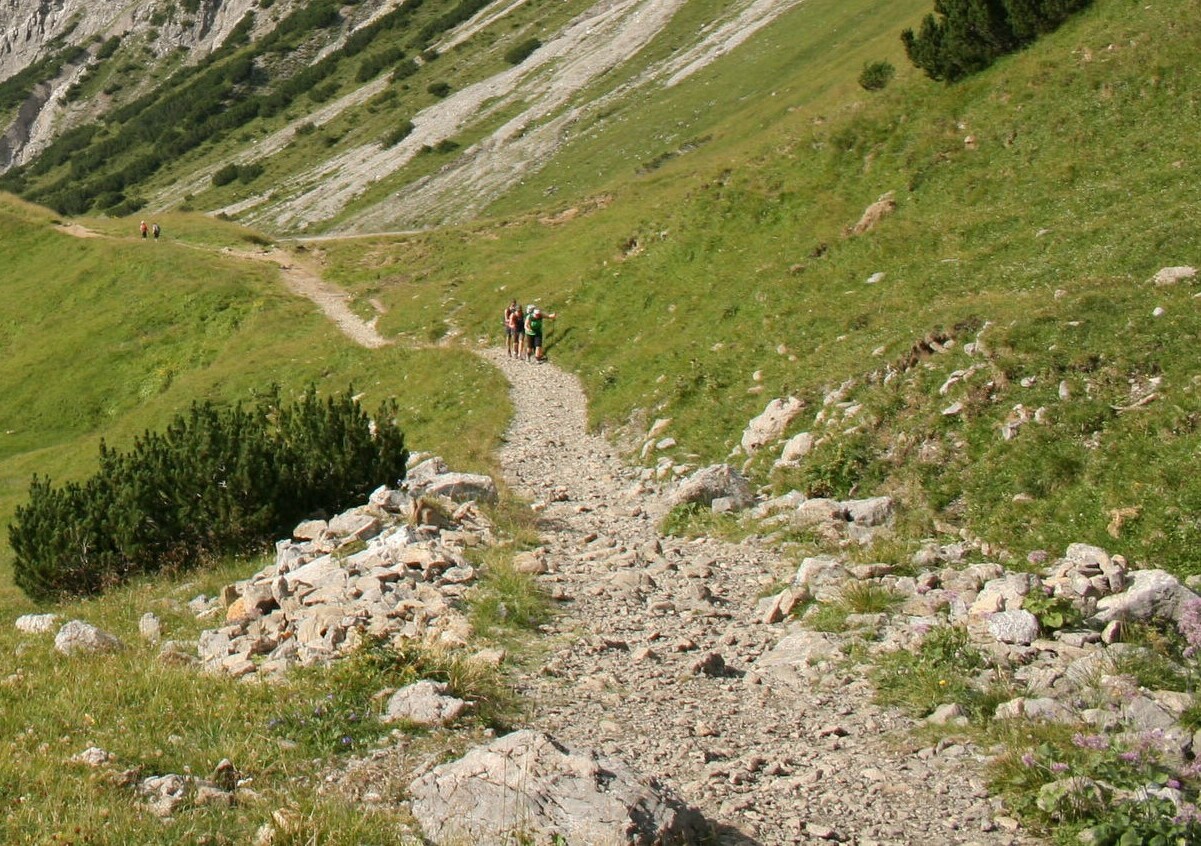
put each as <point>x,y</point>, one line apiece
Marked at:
<point>1187,814</point>
<point>1192,769</point>
<point>1173,783</point>
<point>1189,624</point>
<point>1028,759</point>
<point>1058,767</point>
<point>1132,756</point>
<point>1096,742</point>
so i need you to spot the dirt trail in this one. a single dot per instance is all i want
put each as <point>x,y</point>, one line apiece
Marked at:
<point>333,301</point>
<point>653,660</point>
<point>300,279</point>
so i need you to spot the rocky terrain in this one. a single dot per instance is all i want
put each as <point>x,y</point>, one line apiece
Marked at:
<point>684,686</point>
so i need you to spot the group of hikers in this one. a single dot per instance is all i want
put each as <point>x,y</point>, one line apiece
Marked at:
<point>146,230</point>
<point>523,331</point>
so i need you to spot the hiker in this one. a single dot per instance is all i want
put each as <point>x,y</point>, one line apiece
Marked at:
<point>533,333</point>
<point>523,340</point>
<point>143,229</point>
<point>156,230</point>
<point>513,329</point>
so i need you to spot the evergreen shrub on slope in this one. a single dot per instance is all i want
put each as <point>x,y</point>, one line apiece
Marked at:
<point>216,481</point>
<point>969,35</point>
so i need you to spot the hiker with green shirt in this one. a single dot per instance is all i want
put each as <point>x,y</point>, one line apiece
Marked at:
<point>533,333</point>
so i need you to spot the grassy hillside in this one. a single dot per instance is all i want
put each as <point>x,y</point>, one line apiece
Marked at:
<point>1034,204</point>
<point>696,248</point>
<point>107,336</point>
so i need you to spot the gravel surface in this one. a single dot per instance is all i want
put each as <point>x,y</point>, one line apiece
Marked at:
<point>653,662</point>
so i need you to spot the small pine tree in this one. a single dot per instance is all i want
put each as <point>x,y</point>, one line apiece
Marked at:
<point>876,75</point>
<point>963,37</point>
<point>215,481</point>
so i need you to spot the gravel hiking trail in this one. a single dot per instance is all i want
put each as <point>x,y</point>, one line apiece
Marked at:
<point>651,659</point>
<point>334,302</point>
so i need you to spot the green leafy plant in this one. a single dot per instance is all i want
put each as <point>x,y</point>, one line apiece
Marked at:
<point>1053,612</point>
<point>876,75</point>
<point>839,467</point>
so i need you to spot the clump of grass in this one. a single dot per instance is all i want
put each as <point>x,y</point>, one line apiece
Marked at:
<point>341,714</point>
<point>868,598</point>
<point>694,520</point>
<point>507,605</point>
<point>824,617</point>
<point>942,670</point>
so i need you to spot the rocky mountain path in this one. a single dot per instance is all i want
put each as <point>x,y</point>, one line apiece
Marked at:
<point>652,660</point>
<point>333,301</point>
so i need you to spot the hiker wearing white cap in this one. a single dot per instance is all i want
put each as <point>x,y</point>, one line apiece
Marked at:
<point>533,333</point>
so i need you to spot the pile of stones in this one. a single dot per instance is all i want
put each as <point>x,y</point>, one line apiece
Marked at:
<point>1064,666</point>
<point>393,568</point>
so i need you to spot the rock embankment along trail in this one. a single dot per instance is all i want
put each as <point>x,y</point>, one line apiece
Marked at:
<point>652,660</point>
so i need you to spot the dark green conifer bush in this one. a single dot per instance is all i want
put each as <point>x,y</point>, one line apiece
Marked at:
<point>520,52</point>
<point>215,481</point>
<point>876,75</point>
<point>969,35</point>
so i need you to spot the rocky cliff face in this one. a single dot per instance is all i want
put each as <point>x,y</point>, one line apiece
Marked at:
<point>35,30</point>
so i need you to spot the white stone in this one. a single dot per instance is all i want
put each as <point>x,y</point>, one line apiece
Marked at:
<point>37,623</point>
<point>424,703</point>
<point>1151,594</point>
<point>1172,275</point>
<point>770,425</point>
<point>1014,626</point>
<point>80,637</point>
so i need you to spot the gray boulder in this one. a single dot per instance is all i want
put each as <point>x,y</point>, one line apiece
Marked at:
<point>799,655</point>
<point>36,623</point>
<point>770,425</point>
<point>1150,594</point>
<point>462,487</point>
<point>78,637</point>
<point>1172,275</point>
<point>424,471</point>
<point>716,481</point>
<point>424,703</point>
<point>1014,627</point>
<point>875,511</point>
<point>821,577</point>
<point>528,783</point>
<point>150,627</point>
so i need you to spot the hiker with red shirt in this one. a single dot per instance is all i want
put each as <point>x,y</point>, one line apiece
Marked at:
<point>514,327</point>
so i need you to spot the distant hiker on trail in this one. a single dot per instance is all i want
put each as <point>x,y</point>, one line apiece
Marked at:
<point>533,333</point>
<point>523,340</point>
<point>514,328</point>
<point>143,229</point>
<point>156,230</point>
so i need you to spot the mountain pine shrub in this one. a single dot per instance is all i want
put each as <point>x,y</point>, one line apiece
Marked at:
<point>969,35</point>
<point>215,481</point>
<point>876,75</point>
<point>520,52</point>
